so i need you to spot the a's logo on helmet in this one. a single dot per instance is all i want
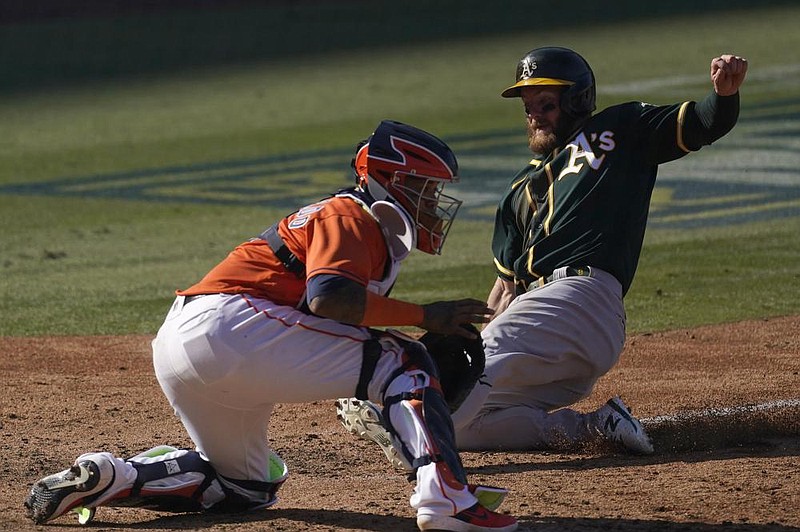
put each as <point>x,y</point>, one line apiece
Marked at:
<point>528,66</point>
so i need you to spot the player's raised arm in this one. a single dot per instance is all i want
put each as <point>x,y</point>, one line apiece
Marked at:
<point>728,73</point>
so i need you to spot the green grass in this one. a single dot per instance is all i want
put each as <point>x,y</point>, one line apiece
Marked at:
<point>720,276</point>
<point>82,265</point>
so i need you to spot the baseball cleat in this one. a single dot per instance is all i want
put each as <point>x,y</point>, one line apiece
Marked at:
<point>364,419</point>
<point>616,423</point>
<point>55,495</point>
<point>473,519</point>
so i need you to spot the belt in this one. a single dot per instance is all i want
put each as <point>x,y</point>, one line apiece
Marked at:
<point>561,273</point>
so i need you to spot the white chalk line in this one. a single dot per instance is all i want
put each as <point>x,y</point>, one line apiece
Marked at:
<point>722,412</point>
<point>765,74</point>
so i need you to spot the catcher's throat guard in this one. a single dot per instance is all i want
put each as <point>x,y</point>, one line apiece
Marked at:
<point>397,228</point>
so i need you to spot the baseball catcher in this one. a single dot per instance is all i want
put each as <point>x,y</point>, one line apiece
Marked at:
<point>289,317</point>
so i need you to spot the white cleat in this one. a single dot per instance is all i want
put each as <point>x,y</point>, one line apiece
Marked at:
<point>364,419</point>
<point>615,422</point>
<point>76,487</point>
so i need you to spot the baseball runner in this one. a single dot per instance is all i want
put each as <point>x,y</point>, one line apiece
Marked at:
<point>567,239</point>
<point>286,318</point>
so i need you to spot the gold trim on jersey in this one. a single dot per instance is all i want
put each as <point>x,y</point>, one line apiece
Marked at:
<point>502,269</point>
<point>681,117</point>
<point>548,219</point>
<point>518,183</point>
<point>550,198</point>
<point>529,198</point>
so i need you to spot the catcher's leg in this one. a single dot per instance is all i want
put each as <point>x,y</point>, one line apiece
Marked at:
<point>417,418</point>
<point>363,418</point>
<point>163,478</point>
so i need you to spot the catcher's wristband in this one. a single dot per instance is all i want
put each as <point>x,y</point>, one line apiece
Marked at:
<point>385,311</point>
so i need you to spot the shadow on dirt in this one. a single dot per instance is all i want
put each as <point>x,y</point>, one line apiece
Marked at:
<point>298,518</point>
<point>342,519</point>
<point>552,524</point>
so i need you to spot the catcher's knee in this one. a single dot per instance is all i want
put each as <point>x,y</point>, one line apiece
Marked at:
<point>416,409</point>
<point>413,356</point>
<point>453,363</point>
<point>251,494</point>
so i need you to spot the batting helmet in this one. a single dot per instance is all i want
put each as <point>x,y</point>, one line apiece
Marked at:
<point>558,66</point>
<point>410,167</point>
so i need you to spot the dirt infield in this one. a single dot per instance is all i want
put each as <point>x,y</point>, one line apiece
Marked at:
<point>718,465</point>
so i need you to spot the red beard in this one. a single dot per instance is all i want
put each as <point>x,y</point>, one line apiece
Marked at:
<point>540,141</point>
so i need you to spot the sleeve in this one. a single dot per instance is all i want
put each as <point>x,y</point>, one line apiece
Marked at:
<point>345,246</point>
<point>669,132</point>
<point>659,131</point>
<point>711,119</point>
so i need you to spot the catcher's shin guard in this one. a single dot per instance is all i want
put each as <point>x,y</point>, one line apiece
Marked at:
<point>179,480</point>
<point>418,418</point>
<point>438,442</point>
<point>172,480</point>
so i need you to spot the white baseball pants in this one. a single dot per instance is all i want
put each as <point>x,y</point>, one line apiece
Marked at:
<point>224,361</point>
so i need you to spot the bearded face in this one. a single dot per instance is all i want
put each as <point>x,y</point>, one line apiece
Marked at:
<point>546,124</point>
<point>540,140</point>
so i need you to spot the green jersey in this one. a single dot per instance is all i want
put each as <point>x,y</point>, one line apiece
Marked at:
<point>586,204</point>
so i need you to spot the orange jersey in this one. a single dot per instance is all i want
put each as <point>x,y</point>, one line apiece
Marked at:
<point>335,236</point>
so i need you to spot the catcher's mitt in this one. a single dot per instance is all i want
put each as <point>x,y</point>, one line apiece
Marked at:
<point>460,362</point>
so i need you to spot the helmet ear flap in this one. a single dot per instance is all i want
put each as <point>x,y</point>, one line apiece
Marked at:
<point>359,162</point>
<point>579,99</point>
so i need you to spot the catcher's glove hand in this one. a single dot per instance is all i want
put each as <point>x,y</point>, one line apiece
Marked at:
<point>460,362</point>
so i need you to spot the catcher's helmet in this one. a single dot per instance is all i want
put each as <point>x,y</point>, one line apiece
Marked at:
<point>558,66</point>
<point>410,167</point>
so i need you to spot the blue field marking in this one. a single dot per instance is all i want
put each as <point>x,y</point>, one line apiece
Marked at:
<point>697,204</point>
<point>751,175</point>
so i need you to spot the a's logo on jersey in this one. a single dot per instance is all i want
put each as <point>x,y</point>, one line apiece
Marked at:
<point>583,149</point>
<point>528,66</point>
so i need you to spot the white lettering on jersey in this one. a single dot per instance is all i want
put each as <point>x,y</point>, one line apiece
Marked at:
<point>305,213</point>
<point>581,148</point>
<point>607,141</point>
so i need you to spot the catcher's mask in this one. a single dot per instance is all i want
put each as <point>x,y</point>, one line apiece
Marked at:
<point>410,167</point>
<point>556,66</point>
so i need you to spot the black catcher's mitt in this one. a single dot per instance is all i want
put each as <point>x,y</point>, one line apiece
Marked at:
<point>460,362</point>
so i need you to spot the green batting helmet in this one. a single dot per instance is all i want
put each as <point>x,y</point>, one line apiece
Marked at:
<point>556,66</point>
